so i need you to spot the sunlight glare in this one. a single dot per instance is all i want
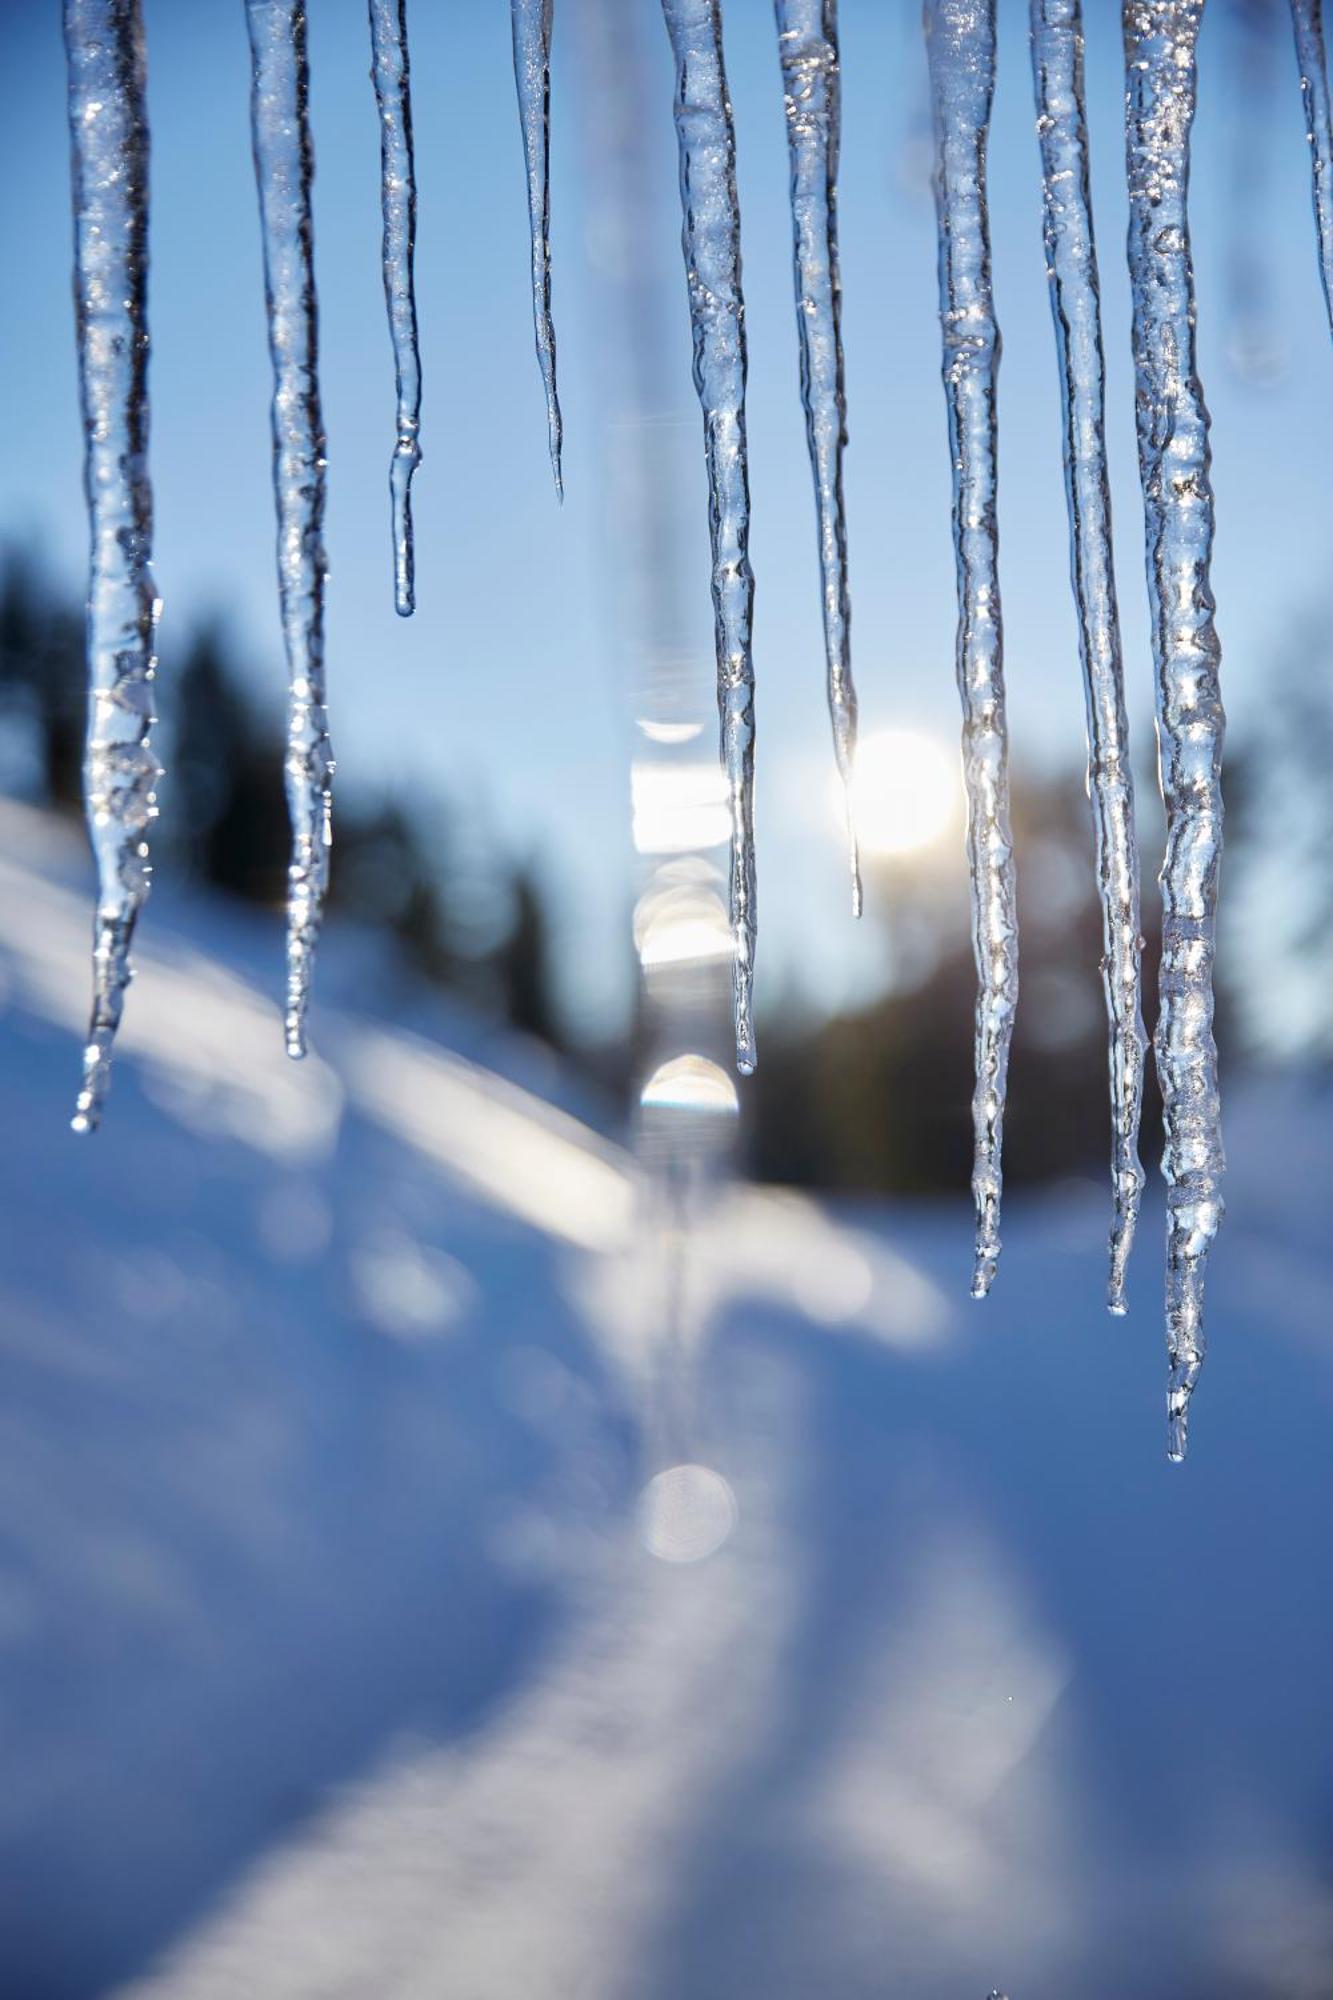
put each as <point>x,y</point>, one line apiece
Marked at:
<point>905,791</point>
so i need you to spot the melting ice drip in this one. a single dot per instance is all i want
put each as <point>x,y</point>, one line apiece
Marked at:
<point>109,144</point>
<point>1307,18</point>
<point>960,42</point>
<point>1071,262</point>
<point>1174,459</point>
<point>284,171</point>
<point>812,96</point>
<point>391,74</point>
<point>531,22</point>
<point>711,241</point>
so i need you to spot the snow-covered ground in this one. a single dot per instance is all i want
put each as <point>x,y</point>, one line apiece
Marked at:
<point>334,1658</point>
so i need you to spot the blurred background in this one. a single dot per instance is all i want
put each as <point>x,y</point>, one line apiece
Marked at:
<point>502,1507</point>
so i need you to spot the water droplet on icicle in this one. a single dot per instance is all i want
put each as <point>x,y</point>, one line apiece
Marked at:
<point>109,137</point>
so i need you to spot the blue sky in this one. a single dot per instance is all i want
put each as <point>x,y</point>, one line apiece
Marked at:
<point>507,690</point>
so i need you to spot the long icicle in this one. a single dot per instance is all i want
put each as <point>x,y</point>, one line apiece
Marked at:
<point>812,96</point>
<point>391,74</point>
<point>1307,19</point>
<point>531,23</point>
<point>1174,459</point>
<point>960,40</point>
<point>1071,263</point>
<point>711,240</point>
<point>108,124</point>
<point>284,170</point>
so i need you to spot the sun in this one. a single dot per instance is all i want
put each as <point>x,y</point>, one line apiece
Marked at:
<point>905,792</point>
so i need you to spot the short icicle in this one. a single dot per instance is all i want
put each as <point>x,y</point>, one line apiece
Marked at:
<point>284,170</point>
<point>1307,19</point>
<point>109,140</point>
<point>1071,262</point>
<point>711,241</point>
<point>812,95</point>
<point>391,74</point>
<point>960,40</point>
<point>1174,460</point>
<point>531,22</point>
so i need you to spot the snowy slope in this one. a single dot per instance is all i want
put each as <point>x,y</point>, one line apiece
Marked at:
<point>332,1661</point>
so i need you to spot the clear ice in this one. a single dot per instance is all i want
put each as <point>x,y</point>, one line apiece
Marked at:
<point>1071,263</point>
<point>960,42</point>
<point>531,21</point>
<point>812,96</point>
<point>108,124</point>
<point>284,171</point>
<point>391,74</point>
<point>1174,459</point>
<point>1307,18</point>
<point>711,241</point>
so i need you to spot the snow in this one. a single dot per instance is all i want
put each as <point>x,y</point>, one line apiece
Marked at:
<point>333,1658</point>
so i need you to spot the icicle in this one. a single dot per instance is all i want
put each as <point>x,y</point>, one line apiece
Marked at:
<point>812,91</point>
<point>284,169</point>
<point>531,22</point>
<point>1071,263</point>
<point>1307,18</point>
<point>1174,459</point>
<point>712,245</point>
<point>391,74</point>
<point>109,138</point>
<point>960,40</point>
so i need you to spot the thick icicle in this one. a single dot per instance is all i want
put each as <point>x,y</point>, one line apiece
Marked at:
<point>711,241</point>
<point>960,39</point>
<point>391,74</point>
<point>1174,460</point>
<point>109,137</point>
<point>1071,263</point>
<point>812,94</point>
<point>284,170</point>
<point>531,22</point>
<point>1307,18</point>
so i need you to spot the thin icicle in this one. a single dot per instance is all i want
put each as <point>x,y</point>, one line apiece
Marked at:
<point>960,40</point>
<point>391,74</point>
<point>1071,263</point>
<point>531,22</point>
<point>1307,18</point>
<point>812,94</point>
<point>109,139</point>
<point>284,170</point>
<point>1174,460</point>
<point>711,240</point>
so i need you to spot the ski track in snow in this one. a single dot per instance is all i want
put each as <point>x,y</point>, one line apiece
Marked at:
<point>711,241</point>
<point>1307,19</point>
<point>812,97</point>
<point>391,75</point>
<point>960,40</point>
<point>284,171</point>
<point>1174,460</point>
<point>1071,262</point>
<point>531,20</point>
<point>109,150</point>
